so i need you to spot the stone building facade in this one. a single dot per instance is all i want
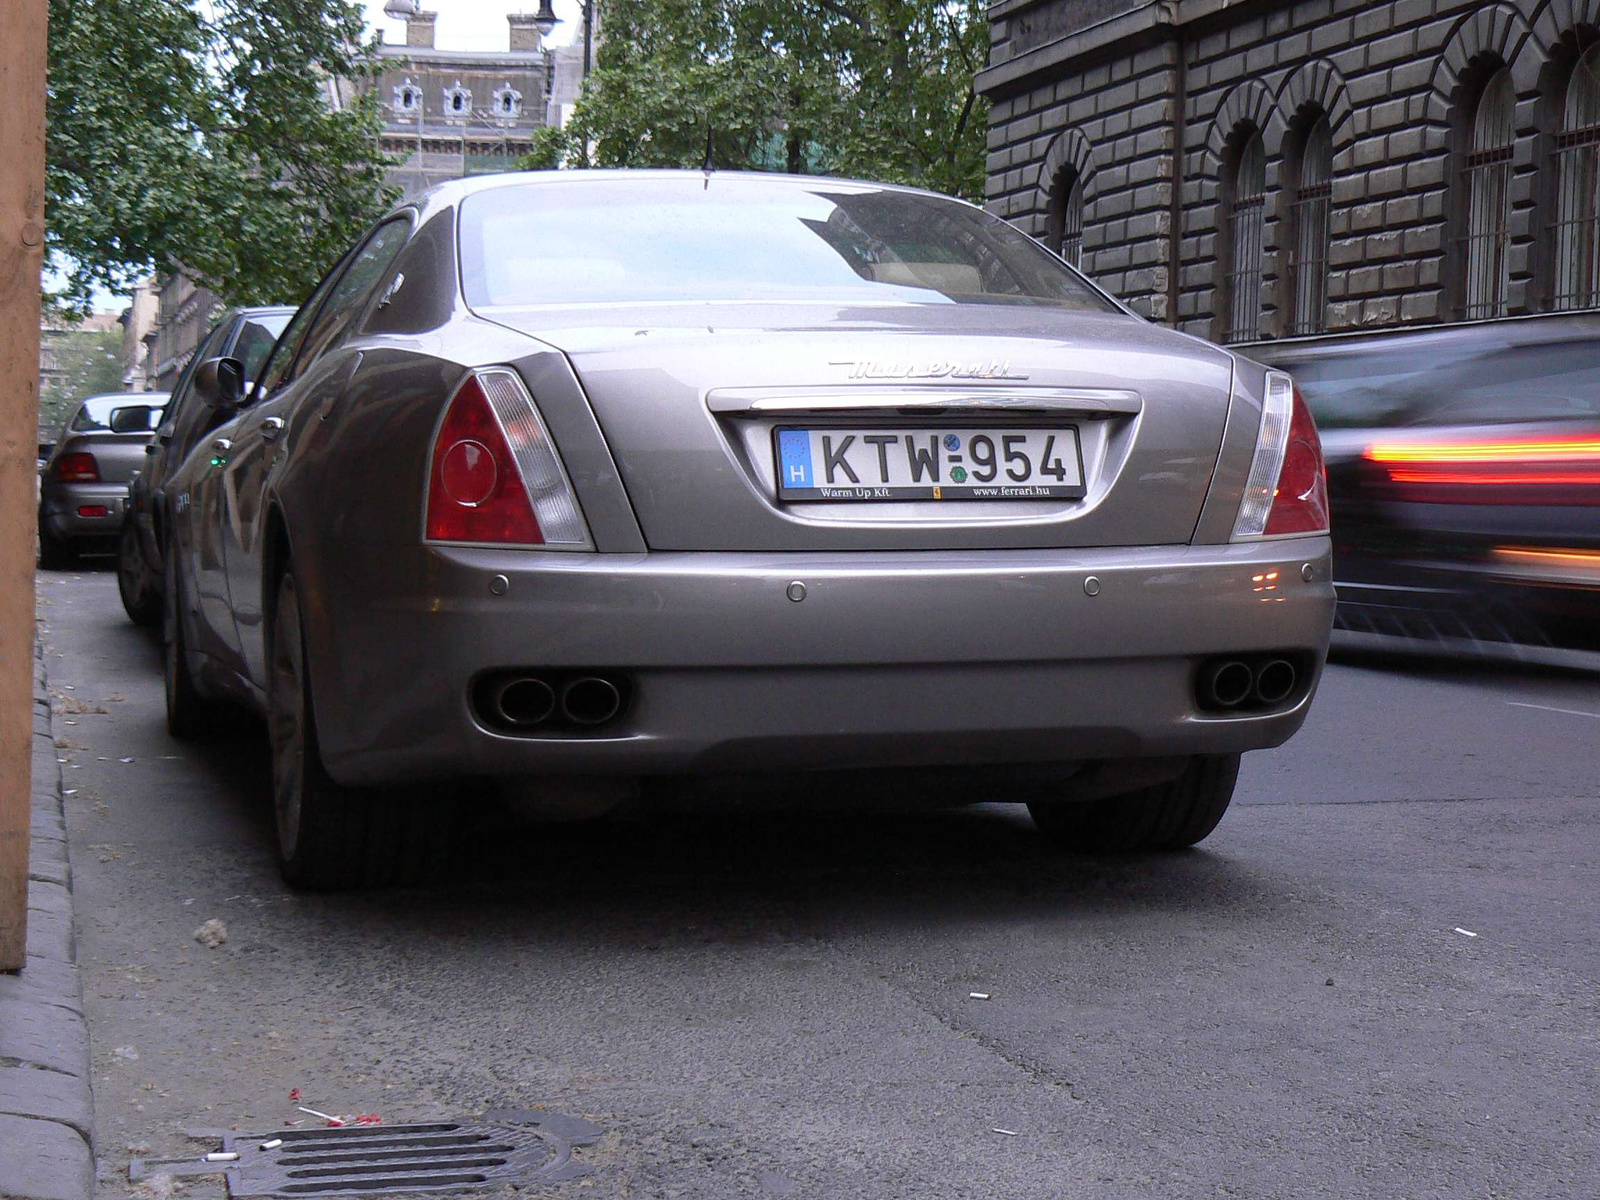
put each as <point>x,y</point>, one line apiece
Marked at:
<point>452,113</point>
<point>1265,168</point>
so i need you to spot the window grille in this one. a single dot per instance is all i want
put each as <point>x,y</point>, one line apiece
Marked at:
<point>1488,180</point>
<point>1577,231</point>
<point>1065,226</point>
<point>1244,240</point>
<point>1308,218</point>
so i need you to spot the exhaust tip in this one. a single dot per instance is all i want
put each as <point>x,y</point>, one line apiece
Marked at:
<point>1226,684</point>
<point>524,702</point>
<point>1275,681</point>
<point>590,701</point>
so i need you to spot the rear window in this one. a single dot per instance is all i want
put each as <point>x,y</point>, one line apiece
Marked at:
<point>95,415</point>
<point>1454,385</point>
<point>726,237</point>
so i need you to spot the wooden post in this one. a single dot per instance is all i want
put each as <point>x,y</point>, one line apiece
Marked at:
<point>23,51</point>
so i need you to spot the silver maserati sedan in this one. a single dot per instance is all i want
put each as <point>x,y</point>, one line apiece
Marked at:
<point>602,484</point>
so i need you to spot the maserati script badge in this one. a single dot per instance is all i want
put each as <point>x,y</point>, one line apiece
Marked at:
<point>933,369</point>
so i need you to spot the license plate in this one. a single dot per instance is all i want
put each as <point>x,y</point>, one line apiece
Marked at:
<point>910,463</point>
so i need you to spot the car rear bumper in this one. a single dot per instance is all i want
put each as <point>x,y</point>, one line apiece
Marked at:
<point>890,659</point>
<point>60,505</point>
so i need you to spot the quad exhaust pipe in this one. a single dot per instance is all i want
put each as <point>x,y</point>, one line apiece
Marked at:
<point>590,700</point>
<point>1275,681</point>
<point>529,702</point>
<point>524,701</point>
<point>1238,683</point>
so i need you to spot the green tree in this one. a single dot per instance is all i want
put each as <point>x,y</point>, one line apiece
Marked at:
<point>88,362</point>
<point>200,135</point>
<point>880,89</point>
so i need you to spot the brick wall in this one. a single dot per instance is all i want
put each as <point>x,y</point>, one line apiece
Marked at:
<point>1108,92</point>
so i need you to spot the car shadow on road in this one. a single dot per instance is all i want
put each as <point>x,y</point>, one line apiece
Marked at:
<point>743,875</point>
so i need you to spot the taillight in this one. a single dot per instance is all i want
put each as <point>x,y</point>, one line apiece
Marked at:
<point>78,467</point>
<point>494,477</point>
<point>1286,493</point>
<point>1552,469</point>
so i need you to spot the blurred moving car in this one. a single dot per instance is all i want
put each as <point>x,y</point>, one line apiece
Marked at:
<point>245,334</point>
<point>83,488</point>
<point>1464,478</point>
<point>600,482</point>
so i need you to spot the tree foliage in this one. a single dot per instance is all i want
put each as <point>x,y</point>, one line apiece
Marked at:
<point>879,89</point>
<point>88,362</point>
<point>198,133</point>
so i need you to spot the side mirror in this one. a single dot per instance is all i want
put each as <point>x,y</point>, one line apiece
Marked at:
<point>133,418</point>
<point>220,382</point>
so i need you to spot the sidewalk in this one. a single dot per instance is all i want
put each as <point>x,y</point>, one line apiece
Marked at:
<point>46,1109</point>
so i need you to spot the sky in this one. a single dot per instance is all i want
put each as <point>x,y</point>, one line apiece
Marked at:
<point>477,24</point>
<point>463,25</point>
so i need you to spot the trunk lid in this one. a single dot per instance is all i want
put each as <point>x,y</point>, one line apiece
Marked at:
<point>119,456</point>
<point>691,399</point>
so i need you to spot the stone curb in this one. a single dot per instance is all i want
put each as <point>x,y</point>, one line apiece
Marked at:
<point>46,1102</point>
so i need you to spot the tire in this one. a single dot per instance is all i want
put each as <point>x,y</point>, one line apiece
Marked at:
<point>1164,816</point>
<point>54,554</point>
<point>189,714</point>
<point>332,837</point>
<point>136,584</point>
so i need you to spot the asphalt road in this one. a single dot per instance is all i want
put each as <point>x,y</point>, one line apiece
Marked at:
<point>779,1005</point>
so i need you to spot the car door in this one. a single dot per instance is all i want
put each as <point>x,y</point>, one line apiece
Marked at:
<point>262,440</point>
<point>206,562</point>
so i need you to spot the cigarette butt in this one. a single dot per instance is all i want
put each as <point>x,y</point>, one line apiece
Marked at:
<point>272,1143</point>
<point>1468,932</point>
<point>977,995</point>
<point>221,1156</point>
<point>1007,1132</point>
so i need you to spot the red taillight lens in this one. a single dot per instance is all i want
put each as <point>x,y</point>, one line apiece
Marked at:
<point>77,468</point>
<point>475,491</point>
<point>1548,469</point>
<point>1300,502</point>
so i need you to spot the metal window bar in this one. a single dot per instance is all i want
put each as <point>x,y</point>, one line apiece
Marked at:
<point>1488,181</point>
<point>1577,229</point>
<point>1244,238</point>
<point>1577,224</point>
<point>1308,219</point>
<point>1072,226</point>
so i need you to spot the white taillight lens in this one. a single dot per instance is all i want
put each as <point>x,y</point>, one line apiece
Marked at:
<point>1261,488</point>
<point>550,492</point>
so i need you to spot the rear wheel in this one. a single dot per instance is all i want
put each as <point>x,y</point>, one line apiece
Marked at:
<point>1164,816</point>
<point>136,584</point>
<point>54,554</point>
<point>330,836</point>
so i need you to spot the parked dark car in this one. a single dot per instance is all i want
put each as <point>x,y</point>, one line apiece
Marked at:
<point>83,487</point>
<point>1464,478</point>
<point>592,484</point>
<point>246,334</point>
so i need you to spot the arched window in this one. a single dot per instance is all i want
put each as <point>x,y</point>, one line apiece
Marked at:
<point>1577,240</point>
<point>1488,187</point>
<point>507,102</point>
<point>457,101</point>
<point>407,98</point>
<point>1308,230</point>
<point>1246,207</point>
<point>1064,229</point>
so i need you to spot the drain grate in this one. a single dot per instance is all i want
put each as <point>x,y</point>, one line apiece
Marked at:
<point>506,1146</point>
